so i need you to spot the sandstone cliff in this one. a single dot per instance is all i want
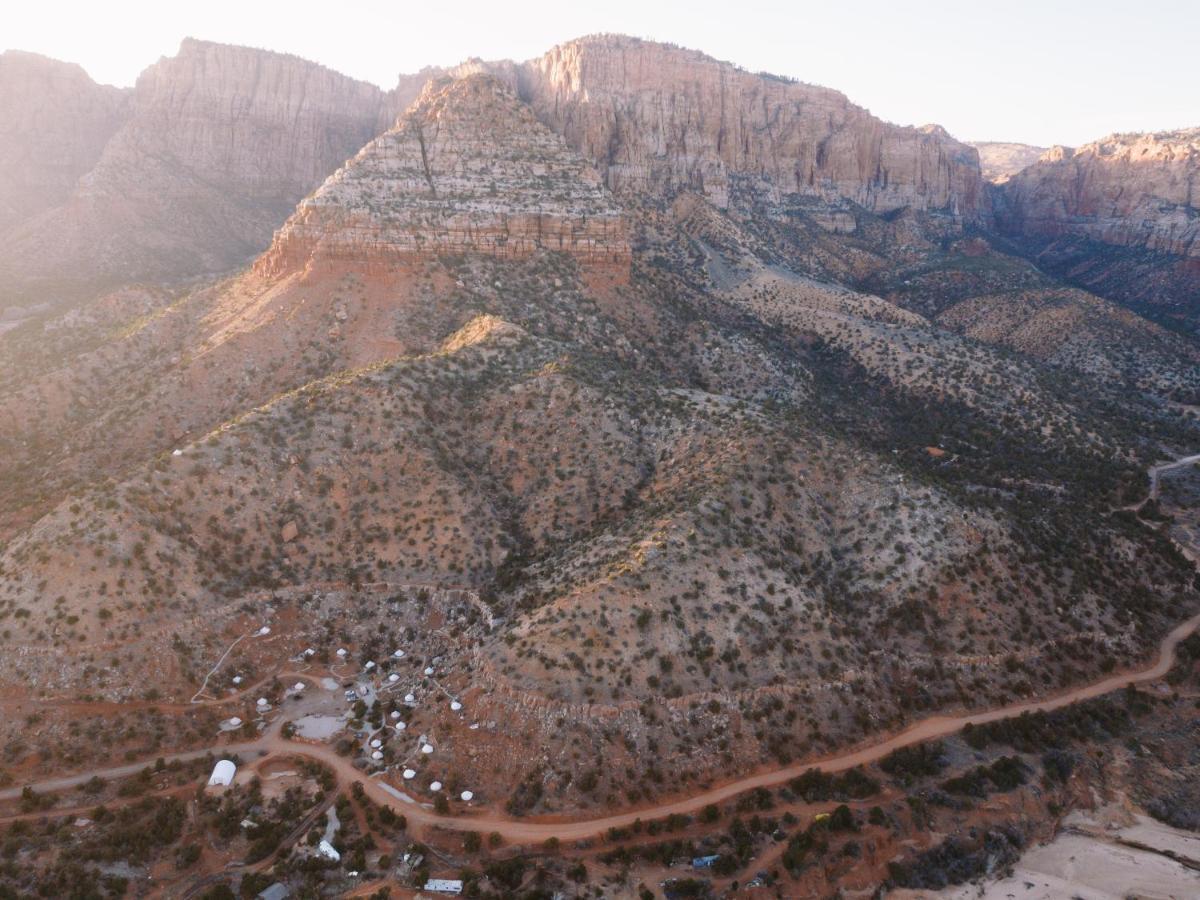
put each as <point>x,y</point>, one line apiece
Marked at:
<point>468,169</point>
<point>1133,190</point>
<point>1120,216</point>
<point>220,144</point>
<point>56,121</point>
<point>1001,160</point>
<point>657,118</point>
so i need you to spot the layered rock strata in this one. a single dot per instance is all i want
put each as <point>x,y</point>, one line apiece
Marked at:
<point>468,169</point>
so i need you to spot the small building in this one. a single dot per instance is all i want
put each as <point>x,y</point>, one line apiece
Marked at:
<point>705,862</point>
<point>222,773</point>
<point>277,891</point>
<point>444,886</point>
<point>326,850</point>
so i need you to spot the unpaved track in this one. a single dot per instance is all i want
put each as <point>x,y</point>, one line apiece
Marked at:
<point>1156,471</point>
<point>541,828</point>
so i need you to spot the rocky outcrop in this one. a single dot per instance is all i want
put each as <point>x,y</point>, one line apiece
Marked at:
<point>1120,217</point>
<point>220,144</point>
<point>1000,160</point>
<point>1134,190</point>
<point>56,121</point>
<point>657,118</point>
<point>468,169</point>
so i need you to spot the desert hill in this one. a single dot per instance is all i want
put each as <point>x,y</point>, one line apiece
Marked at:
<point>681,442</point>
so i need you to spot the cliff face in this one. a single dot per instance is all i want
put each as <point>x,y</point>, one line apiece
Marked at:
<point>219,145</point>
<point>658,118</point>
<point>468,169</point>
<point>1000,160</point>
<point>56,121</point>
<point>193,170</point>
<point>1139,190</point>
<point>1120,217</point>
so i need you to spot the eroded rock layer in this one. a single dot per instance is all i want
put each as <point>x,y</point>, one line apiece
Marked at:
<point>468,169</point>
<point>1136,190</point>
<point>219,145</point>
<point>659,118</point>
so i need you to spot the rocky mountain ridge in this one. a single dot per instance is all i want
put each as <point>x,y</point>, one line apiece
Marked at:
<point>1119,217</point>
<point>1131,190</point>
<point>467,169</point>
<point>217,145</point>
<point>658,118</point>
<point>56,124</point>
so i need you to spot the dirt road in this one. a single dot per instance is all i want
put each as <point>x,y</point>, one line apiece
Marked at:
<point>541,828</point>
<point>1156,471</point>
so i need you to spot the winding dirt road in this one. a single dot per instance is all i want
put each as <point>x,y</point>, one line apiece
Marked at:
<point>540,828</point>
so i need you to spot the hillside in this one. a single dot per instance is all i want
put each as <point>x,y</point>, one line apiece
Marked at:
<point>540,467</point>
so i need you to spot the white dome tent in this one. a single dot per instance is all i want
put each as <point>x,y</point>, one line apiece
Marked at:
<point>222,774</point>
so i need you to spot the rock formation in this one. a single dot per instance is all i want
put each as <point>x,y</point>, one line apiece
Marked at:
<point>468,168</point>
<point>1000,160</point>
<point>659,118</point>
<point>220,144</point>
<point>56,123</point>
<point>1134,190</point>
<point>1120,216</point>
<point>214,147</point>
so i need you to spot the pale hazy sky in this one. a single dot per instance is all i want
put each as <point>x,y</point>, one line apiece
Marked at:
<point>1054,71</point>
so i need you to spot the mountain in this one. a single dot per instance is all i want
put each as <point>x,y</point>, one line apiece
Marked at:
<point>663,456</point>
<point>999,161</point>
<point>217,144</point>
<point>216,147</point>
<point>57,122</point>
<point>683,422</point>
<point>658,118</point>
<point>468,168</point>
<point>1120,217</point>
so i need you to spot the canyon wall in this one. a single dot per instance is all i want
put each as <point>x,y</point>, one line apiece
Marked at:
<point>1120,217</point>
<point>1001,160</point>
<point>657,118</point>
<point>218,146</point>
<point>1138,190</point>
<point>56,121</point>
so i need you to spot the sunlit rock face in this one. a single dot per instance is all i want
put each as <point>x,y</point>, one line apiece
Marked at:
<point>467,169</point>
<point>1131,190</point>
<point>1119,217</point>
<point>657,118</point>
